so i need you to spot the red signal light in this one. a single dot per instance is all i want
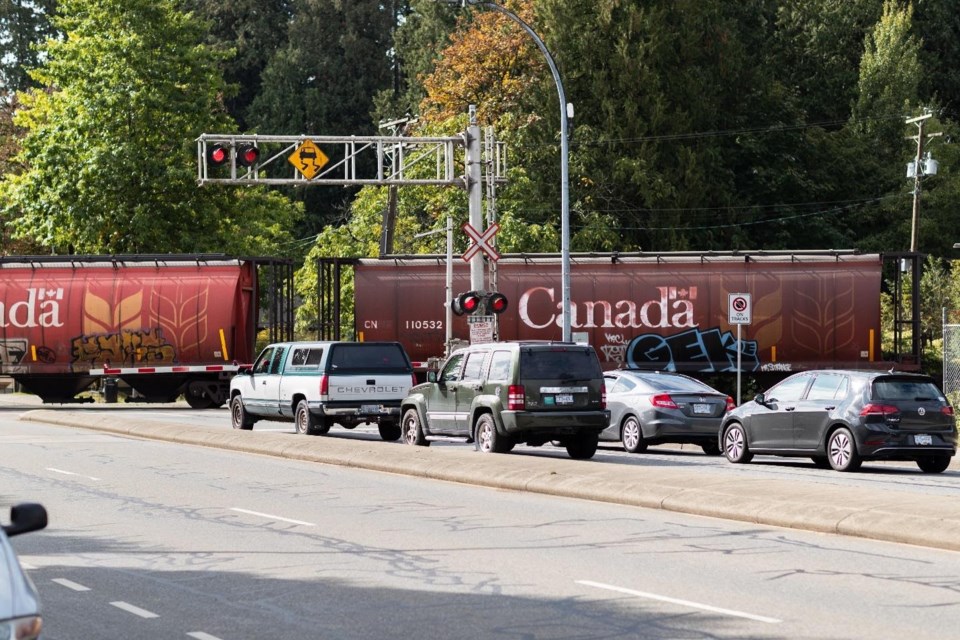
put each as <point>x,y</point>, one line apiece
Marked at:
<point>247,155</point>
<point>218,154</point>
<point>466,303</point>
<point>497,303</point>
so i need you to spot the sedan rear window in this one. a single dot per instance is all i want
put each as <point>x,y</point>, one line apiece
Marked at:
<point>676,383</point>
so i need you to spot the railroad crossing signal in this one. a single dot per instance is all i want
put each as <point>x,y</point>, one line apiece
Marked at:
<point>481,241</point>
<point>308,159</point>
<point>485,303</point>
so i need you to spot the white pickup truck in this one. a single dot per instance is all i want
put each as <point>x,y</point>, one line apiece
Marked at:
<point>316,384</point>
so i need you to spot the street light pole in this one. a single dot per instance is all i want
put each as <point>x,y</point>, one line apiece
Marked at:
<point>564,154</point>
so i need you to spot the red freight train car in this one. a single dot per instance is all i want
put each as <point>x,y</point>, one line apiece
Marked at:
<point>166,325</point>
<point>666,311</point>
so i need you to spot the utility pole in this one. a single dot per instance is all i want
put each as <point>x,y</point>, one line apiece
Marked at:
<point>917,170</point>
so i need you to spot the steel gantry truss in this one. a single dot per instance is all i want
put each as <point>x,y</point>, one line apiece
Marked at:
<point>343,160</point>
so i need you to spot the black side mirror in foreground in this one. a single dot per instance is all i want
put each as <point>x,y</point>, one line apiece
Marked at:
<point>25,518</point>
<point>760,399</point>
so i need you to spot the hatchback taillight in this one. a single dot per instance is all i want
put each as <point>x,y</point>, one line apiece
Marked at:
<point>663,401</point>
<point>324,386</point>
<point>516,398</point>
<point>947,410</point>
<point>731,405</point>
<point>413,379</point>
<point>876,409</point>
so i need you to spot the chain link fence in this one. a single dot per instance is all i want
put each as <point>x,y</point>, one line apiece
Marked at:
<point>951,356</point>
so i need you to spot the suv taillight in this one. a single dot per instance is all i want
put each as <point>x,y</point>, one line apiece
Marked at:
<point>413,379</point>
<point>876,409</point>
<point>516,398</point>
<point>324,386</point>
<point>663,401</point>
<point>731,405</point>
<point>603,396</point>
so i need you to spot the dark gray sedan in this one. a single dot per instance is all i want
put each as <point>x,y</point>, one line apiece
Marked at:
<point>657,407</point>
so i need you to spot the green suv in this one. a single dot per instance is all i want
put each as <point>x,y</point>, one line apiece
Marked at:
<point>501,394</point>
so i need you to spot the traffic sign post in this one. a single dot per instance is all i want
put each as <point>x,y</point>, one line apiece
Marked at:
<point>739,312</point>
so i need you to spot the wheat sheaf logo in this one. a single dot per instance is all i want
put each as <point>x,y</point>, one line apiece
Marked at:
<point>115,332</point>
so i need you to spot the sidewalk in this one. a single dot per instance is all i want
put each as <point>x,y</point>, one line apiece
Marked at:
<point>901,517</point>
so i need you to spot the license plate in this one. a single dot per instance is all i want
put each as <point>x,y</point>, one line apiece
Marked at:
<point>370,408</point>
<point>922,439</point>
<point>702,408</point>
<point>564,398</point>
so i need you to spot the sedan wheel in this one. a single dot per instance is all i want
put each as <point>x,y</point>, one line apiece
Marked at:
<point>735,444</point>
<point>842,451</point>
<point>631,435</point>
<point>934,464</point>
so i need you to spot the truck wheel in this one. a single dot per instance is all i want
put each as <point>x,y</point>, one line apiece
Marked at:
<point>412,430</point>
<point>389,431</point>
<point>239,417</point>
<point>307,423</point>
<point>583,446</point>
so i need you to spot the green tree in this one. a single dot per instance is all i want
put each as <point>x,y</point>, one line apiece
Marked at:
<point>251,32</point>
<point>109,159</point>
<point>323,82</point>
<point>24,24</point>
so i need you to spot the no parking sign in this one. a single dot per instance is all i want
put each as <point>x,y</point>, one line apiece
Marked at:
<point>739,308</point>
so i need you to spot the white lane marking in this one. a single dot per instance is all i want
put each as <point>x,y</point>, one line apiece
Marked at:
<point>70,473</point>
<point>684,603</point>
<point>200,635</point>
<point>272,517</point>
<point>26,567</point>
<point>137,611</point>
<point>70,584</point>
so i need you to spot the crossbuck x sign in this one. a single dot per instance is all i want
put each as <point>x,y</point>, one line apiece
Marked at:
<point>481,241</point>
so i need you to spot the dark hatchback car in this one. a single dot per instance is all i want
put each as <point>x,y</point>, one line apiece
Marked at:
<point>840,419</point>
<point>657,407</point>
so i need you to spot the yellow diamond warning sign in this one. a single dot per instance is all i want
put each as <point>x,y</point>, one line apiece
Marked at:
<point>308,159</point>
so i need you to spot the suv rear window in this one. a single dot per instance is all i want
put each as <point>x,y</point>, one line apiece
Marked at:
<point>893,389</point>
<point>559,362</point>
<point>369,358</point>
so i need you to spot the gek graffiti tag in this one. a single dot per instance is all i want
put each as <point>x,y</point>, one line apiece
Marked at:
<point>706,350</point>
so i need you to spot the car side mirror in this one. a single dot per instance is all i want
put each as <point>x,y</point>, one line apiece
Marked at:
<point>25,518</point>
<point>431,376</point>
<point>760,399</point>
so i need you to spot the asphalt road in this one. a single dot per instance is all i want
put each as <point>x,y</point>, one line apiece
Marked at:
<point>893,501</point>
<point>156,539</point>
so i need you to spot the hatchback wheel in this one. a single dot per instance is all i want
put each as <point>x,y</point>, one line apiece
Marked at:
<point>934,464</point>
<point>411,430</point>
<point>631,435</point>
<point>735,444</point>
<point>842,451</point>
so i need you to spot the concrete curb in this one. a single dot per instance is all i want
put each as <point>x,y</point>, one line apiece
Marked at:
<point>928,521</point>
